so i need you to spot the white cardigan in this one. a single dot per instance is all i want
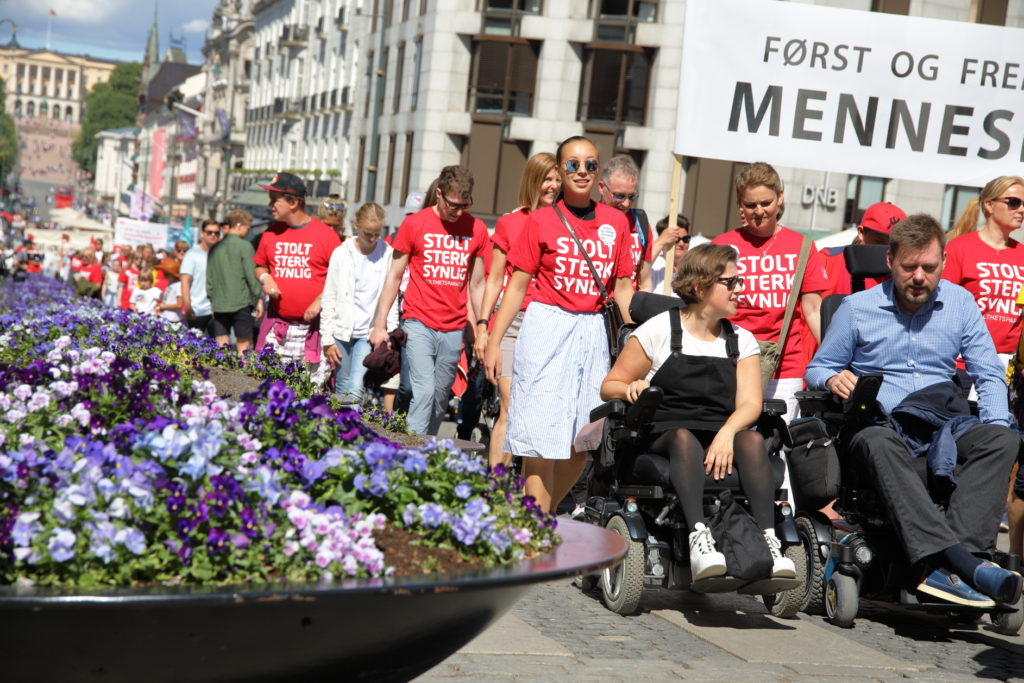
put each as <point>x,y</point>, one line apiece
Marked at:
<point>338,305</point>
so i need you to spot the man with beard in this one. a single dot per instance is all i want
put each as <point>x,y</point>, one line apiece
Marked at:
<point>911,330</point>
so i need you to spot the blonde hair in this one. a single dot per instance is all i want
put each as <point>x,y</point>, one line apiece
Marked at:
<point>537,168</point>
<point>968,220</point>
<point>237,217</point>
<point>146,275</point>
<point>332,207</point>
<point>370,213</point>
<point>700,268</point>
<point>759,174</point>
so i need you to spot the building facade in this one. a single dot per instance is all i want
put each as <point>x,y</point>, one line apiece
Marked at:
<point>49,84</point>
<point>114,167</point>
<point>228,63</point>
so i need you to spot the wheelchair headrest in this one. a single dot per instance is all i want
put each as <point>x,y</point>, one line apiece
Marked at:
<point>646,305</point>
<point>866,260</point>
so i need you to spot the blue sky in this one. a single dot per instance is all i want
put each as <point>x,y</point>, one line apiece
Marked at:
<point>112,29</point>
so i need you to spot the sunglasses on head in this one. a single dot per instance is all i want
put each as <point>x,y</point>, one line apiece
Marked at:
<point>334,206</point>
<point>573,165</point>
<point>1012,203</point>
<point>620,197</point>
<point>731,283</point>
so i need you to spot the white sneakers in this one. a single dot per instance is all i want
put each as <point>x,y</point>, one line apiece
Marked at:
<point>705,560</point>
<point>782,567</point>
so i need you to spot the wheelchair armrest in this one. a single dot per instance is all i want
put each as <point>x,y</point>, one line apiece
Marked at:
<point>615,408</point>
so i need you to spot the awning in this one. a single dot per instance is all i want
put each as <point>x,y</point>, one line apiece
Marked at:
<point>254,195</point>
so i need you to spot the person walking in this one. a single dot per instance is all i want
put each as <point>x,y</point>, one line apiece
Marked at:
<point>443,247</point>
<point>231,284</point>
<point>561,353</point>
<point>291,263</point>
<point>355,278</point>
<point>540,187</point>
<point>195,301</point>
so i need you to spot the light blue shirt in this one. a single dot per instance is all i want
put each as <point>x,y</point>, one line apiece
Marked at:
<point>194,264</point>
<point>871,334</point>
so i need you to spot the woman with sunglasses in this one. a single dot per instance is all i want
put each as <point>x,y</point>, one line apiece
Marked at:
<point>710,372</point>
<point>331,213</point>
<point>561,354</point>
<point>768,259</point>
<point>540,186</point>
<point>989,263</point>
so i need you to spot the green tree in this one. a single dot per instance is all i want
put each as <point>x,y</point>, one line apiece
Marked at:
<point>109,105</point>
<point>8,137</point>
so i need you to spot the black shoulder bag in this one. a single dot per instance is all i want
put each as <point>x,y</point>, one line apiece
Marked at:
<point>609,310</point>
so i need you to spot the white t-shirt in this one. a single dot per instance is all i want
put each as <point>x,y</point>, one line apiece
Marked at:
<point>145,299</point>
<point>371,270</point>
<point>655,337</point>
<point>171,295</point>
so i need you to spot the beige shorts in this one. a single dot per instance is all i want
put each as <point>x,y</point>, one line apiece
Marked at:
<point>508,344</point>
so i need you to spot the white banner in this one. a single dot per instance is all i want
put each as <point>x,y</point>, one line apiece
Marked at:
<point>851,91</point>
<point>136,233</point>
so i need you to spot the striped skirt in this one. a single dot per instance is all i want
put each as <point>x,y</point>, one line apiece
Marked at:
<point>560,360</point>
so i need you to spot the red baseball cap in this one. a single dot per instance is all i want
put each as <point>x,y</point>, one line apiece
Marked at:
<point>881,217</point>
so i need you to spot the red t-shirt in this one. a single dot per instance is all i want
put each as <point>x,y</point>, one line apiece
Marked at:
<point>129,279</point>
<point>547,251</point>
<point>441,257</point>
<point>94,272</point>
<point>994,278</point>
<point>297,259</point>
<point>768,266</point>
<point>507,232</point>
<point>638,251</point>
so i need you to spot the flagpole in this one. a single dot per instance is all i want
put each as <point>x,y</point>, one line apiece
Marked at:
<point>49,19</point>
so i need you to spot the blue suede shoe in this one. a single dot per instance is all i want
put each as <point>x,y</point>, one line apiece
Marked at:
<point>947,586</point>
<point>1000,584</point>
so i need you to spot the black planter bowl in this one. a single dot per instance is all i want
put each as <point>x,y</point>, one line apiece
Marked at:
<point>374,629</point>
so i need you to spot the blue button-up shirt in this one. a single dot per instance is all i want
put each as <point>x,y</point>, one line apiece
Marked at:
<point>871,334</point>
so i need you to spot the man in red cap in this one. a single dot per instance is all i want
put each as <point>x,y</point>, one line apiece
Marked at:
<point>291,265</point>
<point>874,228</point>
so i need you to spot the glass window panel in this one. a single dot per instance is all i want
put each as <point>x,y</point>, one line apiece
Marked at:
<point>871,191</point>
<point>497,26</point>
<point>604,85</point>
<point>611,33</point>
<point>645,11</point>
<point>614,8</point>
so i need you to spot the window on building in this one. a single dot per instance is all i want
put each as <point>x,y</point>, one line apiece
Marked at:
<point>361,159</point>
<point>405,9</point>
<point>399,63</point>
<point>389,12</point>
<point>31,109</point>
<point>423,7</point>
<point>861,192</point>
<point>58,74</point>
<point>382,81</point>
<point>502,17</point>
<point>33,71</point>
<point>504,76</point>
<point>46,73</point>
<point>406,167</point>
<point>954,201</point>
<point>21,70</point>
<point>71,77</point>
<point>992,12</point>
<point>891,6</point>
<point>376,13</point>
<point>389,174</point>
<point>615,85</point>
<point>368,85</point>
<point>616,20</point>
<point>417,60</point>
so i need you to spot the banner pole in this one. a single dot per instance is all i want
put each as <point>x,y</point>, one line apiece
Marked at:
<point>673,213</point>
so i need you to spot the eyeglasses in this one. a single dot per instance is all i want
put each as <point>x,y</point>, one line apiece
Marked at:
<point>620,197</point>
<point>733,282</point>
<point>573,165</point>
<point>455,206</point>
<point>1012,203</point>
<point>213,233</point>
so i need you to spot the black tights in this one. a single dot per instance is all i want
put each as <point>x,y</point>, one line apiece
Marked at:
<point>686,449</point>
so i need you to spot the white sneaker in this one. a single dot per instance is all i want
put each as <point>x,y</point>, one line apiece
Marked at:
<point>705,561</point>
<point>782,567</point>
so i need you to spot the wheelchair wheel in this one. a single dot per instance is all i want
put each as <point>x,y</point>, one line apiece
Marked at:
<point>814,589</point>
<point>787,603</point>
<point>622,585</point>
<point>841,600</point>
<point>1009,623</point>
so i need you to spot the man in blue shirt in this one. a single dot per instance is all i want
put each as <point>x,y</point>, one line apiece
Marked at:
<point>911,330</point>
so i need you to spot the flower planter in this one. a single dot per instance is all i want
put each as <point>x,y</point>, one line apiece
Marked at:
<point>374,629</point>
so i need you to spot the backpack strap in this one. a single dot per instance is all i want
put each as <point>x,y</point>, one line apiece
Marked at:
<point>676,340</point>
<point>732,342</point>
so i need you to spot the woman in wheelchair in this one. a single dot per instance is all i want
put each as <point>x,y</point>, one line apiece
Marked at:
<point>710,373</point>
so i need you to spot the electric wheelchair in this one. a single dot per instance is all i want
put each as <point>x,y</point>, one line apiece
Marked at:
<point>859,553</point>
<point>631,494</point>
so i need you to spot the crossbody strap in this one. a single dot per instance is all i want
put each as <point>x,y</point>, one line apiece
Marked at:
<point>794,292</point>
<point>593,268</point>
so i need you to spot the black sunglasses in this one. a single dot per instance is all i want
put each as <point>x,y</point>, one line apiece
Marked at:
<point>1012,203</point>
<point>457,207</point>
<point>733,282</point>
<point>685,239</point>
<point>212,232</point>
<point>573,165</point>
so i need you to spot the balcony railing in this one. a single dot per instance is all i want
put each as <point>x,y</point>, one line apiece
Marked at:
<point>294,36</point>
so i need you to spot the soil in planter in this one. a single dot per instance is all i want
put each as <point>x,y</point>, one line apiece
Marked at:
<point>232,383</point>
<point>401,552</point>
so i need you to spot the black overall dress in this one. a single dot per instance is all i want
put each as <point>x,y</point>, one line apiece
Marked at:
<point>700,391</point>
